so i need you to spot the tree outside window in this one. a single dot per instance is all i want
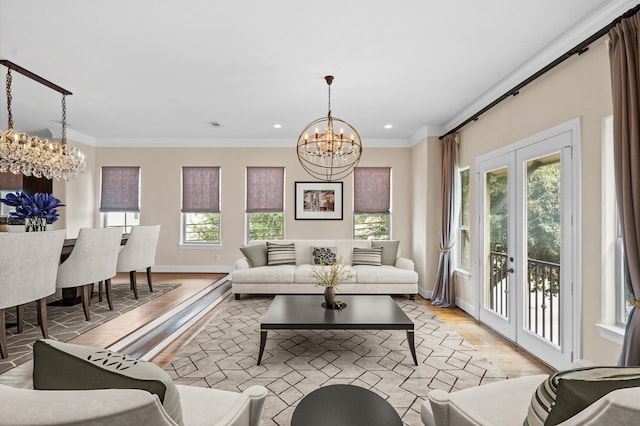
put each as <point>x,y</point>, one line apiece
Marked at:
<point>463,248</point>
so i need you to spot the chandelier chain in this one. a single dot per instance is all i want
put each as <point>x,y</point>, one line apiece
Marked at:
<point>9,98</point>
<point>64,118</point>
<point>329,99</point>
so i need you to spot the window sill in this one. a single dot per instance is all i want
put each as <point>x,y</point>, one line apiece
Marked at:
<point>200,246</point>
<point>463,274</point>
<point>613,333</point>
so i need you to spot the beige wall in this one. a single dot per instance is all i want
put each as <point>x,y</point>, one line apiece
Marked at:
<point>78,195</point>
<point>580,87</point>
<point>426,159</point>
<point>161,197</point>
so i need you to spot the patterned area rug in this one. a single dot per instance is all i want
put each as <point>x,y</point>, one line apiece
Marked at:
<point>67,322</point>
<point>296,362</point>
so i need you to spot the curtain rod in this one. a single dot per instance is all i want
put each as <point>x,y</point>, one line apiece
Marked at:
<point>32,76</point>
<point>579,49</point>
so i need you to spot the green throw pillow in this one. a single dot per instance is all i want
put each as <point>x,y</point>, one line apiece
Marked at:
<point>64,366</point>
<point>281,254</point>
<point>389,251</point>
<point>371,256</point>
<point>566,393</point>
<point>256,254</point>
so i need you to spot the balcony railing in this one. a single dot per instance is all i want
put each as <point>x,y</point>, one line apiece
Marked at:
<point>543,280</point>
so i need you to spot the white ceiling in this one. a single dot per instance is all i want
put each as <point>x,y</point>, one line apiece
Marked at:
<point>156,72</point>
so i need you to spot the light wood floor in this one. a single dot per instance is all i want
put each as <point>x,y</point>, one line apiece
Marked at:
<point>512,360</point>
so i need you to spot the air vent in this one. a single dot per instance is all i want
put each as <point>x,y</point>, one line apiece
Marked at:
<point>215,124</point>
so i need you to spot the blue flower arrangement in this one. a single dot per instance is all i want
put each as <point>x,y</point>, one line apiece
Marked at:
<point>39,205</point>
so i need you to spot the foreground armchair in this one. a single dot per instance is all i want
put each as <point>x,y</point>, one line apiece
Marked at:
<point>84,385</point>
<point>576,401</point>
<point>108,407</point>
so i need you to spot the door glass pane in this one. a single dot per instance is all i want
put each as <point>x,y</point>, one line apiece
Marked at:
<point>543,247</point>
<point>497,282</point>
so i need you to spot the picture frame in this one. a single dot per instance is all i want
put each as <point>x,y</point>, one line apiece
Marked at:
<point>318,201</point>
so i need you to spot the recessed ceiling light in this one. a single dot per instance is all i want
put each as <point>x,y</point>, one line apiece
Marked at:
<point>388,126</point>
<point>277,126</point>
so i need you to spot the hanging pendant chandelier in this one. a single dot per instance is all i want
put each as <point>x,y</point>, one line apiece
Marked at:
<point>329,154</point>
<point>32,156</point>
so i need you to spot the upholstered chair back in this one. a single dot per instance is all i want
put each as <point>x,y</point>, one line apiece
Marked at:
<point>93,259</point>
<point>28,264</point>
<point>140,250</point>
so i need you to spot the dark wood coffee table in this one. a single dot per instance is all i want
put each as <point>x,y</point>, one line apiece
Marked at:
<point>363,312</point>
<point>344,405</point>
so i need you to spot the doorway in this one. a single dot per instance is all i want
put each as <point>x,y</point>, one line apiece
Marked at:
<point>527,239</point>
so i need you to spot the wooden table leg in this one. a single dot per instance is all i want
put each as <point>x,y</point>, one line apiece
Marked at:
<point>263,342</point>
<point>412,345</point>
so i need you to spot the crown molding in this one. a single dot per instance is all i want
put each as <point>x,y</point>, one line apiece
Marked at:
<point>229,143</point>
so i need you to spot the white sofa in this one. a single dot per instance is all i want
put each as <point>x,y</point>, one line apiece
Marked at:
<point>400,278</point>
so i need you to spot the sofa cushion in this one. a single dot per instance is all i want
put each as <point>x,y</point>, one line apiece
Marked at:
<point>384,274</point>
<point>304,274</point>
<point>256,254</point>
<point>282,274</point>
<point>64,366</point>
<point>566,393</point>
<point>281,254</point>
<point>389,251</point>
<point>367,256</point>
<point>323,255</point>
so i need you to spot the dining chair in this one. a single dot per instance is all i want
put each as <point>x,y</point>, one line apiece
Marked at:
<point>138,253</point>
<point>93,259</point>
<point>28,267</point>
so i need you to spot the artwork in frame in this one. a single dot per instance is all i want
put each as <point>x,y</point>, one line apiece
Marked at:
<point>318,200</point>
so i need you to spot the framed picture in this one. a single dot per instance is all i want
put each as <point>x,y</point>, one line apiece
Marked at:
<point>318,200</point>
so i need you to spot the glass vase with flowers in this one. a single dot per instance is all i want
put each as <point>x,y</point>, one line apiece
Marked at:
<point>34,210</point>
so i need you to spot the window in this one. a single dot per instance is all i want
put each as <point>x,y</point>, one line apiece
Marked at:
<point>265,203</point>
<point>120,197</point>
<point>615,265</point>
<point>8,183</point>
<point>463,246</point>
<point>623,295</point>
<point>201,205</point>
<point>371,203</point>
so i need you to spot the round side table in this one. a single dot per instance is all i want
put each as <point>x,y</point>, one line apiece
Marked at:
<point>344,405</point>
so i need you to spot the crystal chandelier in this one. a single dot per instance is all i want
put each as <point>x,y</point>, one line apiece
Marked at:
<point>329,155</point>
<point>32,156</point>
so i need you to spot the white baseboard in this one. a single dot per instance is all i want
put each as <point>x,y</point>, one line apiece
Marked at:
<point>193,268</point>
<point>424,293</point>
<point>466,306</point>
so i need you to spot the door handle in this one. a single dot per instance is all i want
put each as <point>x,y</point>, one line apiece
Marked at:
<point>510,270</point>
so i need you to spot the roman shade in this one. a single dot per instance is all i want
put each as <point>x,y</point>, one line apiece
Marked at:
<point>201,189</point>
<point>371,189</point>
<point>120,189</point>
<point>265,189</point>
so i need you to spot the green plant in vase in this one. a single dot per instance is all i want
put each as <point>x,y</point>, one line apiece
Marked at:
<point>329,276</point>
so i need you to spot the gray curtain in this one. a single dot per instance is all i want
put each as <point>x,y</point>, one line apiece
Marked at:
<point>444,288</point>
<point>624,56</point>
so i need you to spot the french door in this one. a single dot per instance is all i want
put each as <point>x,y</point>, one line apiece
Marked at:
<point>526,245</point>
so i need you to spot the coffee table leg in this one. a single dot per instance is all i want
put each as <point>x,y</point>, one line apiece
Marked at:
<point>412,346</point>
<point>263,342</point>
